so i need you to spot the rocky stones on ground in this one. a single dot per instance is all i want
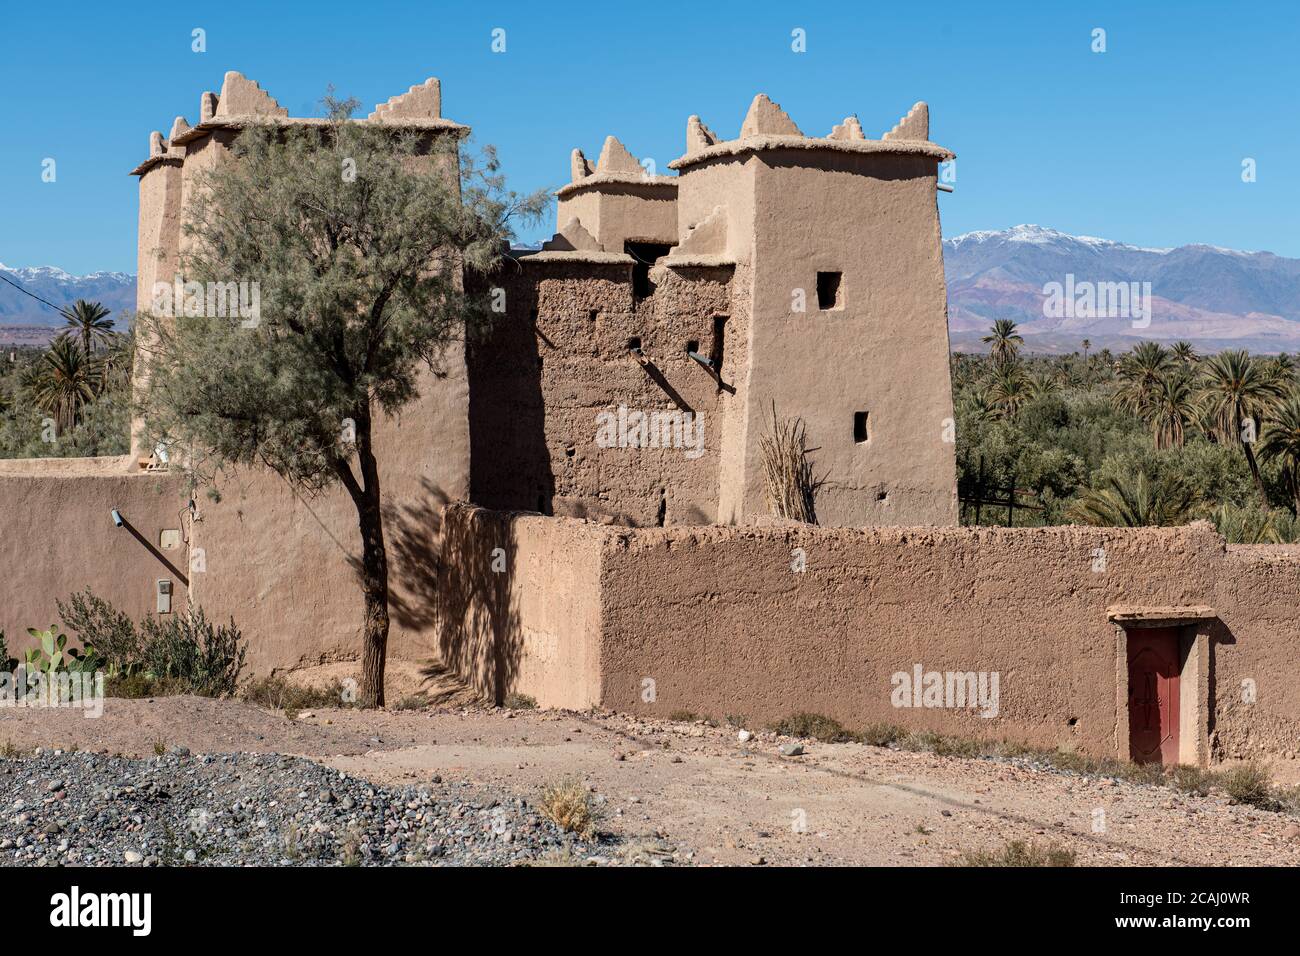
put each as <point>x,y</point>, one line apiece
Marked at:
<point>261,810</point>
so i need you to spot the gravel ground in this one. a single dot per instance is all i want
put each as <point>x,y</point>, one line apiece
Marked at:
<point>261,810</point>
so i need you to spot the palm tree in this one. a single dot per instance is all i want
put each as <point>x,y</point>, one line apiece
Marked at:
<point>1140,373</point>
<point>1281,440</point>
<point>1170,410</point>
<point>979,405</point>
<point>1236,389</point>
<point>1043,384</point>
<point>1183,353</point>
<point>1008,388</point>
<point>1003,341</point>
<point>64,382</point>
<point>1282,368</point>
<point>90,322</point>
<point>1247,525</point>
<point>1087,377</point>
<point>1133,503</point>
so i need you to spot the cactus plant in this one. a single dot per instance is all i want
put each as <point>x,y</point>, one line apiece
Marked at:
<point>54,656</point>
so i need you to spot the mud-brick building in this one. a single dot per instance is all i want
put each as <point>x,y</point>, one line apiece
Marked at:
<point>774,271</point>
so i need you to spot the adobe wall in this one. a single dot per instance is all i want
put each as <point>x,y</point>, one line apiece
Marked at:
<point>57,538</point>
<point>724,626</point>
<point>720,623</point>
<point>1258,600</point>
<point>558,358</point>
<point>522,599</point>
<point>616,213</point>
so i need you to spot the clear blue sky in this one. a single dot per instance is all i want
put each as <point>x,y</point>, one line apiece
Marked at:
<point>1142,143</point>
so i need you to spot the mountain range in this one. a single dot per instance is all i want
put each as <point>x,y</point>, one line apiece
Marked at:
<point>1213,297</point>
<point>23,320</point>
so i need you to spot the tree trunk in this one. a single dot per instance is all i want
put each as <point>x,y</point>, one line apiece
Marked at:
<point>1254,471</point>
<point>374,572</point>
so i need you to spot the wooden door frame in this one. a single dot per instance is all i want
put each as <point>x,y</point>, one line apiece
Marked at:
<point>1193,631</point>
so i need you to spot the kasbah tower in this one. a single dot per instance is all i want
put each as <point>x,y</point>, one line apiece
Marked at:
<point>806,271</point>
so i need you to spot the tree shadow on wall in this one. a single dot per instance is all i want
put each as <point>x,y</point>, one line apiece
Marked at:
<point>412,534</point>
<point>480,636</point>
<point>413,531</point>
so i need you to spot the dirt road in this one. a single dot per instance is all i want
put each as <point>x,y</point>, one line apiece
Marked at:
<point>715,798</point>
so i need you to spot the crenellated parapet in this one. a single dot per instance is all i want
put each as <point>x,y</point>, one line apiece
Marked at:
<point>616,201</point>
<point>767,126</point>
<point>421,102</point>
<point>243,102</point>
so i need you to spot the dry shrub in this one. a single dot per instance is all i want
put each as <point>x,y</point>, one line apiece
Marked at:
<point>1018,853</point>
<point>568,805</point>
<point>791,487</point>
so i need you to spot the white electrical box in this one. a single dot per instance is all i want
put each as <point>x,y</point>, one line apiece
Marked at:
<point>164,596</point>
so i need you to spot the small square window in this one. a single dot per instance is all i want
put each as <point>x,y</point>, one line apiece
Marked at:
<point>861,428</point>
<point>828,290</point>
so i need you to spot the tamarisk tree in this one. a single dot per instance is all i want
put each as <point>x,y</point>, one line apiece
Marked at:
<point>356,236</point>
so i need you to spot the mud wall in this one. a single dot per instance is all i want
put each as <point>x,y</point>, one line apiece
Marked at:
<point>719,622</point>
<point>521,598</point>
<point>558,359</point>
<point>57,537</point>
<point>1257,678</point>
<point>883,350</point>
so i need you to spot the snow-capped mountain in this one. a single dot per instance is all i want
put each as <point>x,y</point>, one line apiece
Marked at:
<point>1211,296</point>
<point>23,319</point>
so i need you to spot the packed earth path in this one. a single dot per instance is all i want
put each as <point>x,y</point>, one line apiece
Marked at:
<point>667,792</point>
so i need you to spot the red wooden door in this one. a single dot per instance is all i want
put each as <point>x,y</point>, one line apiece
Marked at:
<point>1153,670</point>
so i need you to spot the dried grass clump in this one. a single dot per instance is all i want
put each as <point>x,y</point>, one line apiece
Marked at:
<point>1019,853</point>
<point>791,487</point>
<point>568,805</point>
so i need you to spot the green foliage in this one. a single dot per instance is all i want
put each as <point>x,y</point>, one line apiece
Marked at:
<point>353,234</point>
<point>1135,503</point>
<point>1253,525</point>
<point>53,656</point>
<point>89,324</point>
<point>1152,435</point>
<point>189,651</point>
<point>56,403</point>
<point>111,631</point>
<point>7,663</point>
<point>180,653</point>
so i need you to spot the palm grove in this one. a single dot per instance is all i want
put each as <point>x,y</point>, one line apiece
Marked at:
<point>71,399</point>
<point>1154,436</point>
